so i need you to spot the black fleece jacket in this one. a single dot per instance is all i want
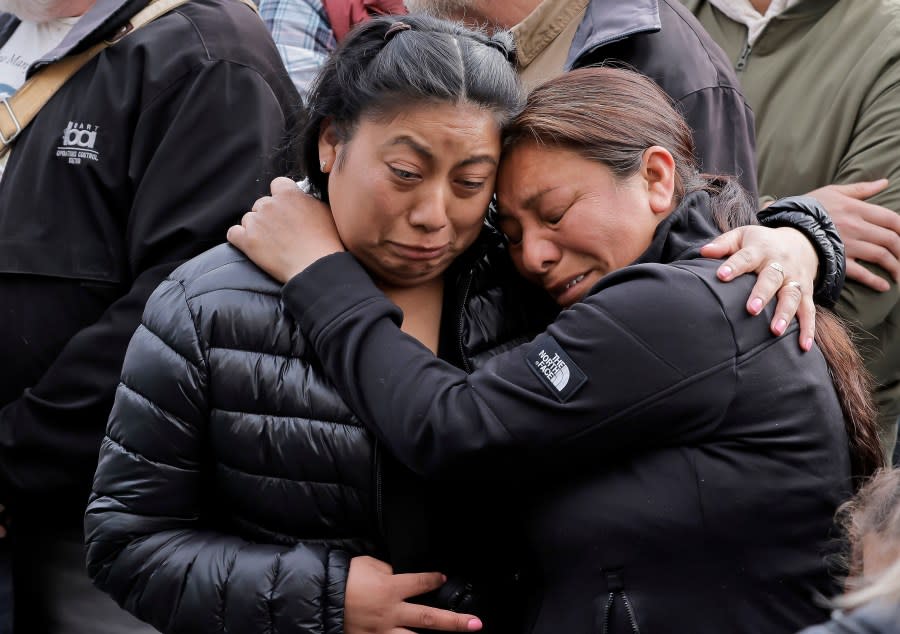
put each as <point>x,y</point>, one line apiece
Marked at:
<point>682,465</point>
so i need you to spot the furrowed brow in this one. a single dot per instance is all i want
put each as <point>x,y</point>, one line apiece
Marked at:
<point>476,160</point>
<point>532,201</point>
<point>529,203</point>
<point>416,147</point>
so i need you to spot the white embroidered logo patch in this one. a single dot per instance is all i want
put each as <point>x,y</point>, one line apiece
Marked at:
<point>79,142</point>
<point>554,367</point>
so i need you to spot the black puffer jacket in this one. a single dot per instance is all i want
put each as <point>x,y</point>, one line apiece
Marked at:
<point>234,485</point>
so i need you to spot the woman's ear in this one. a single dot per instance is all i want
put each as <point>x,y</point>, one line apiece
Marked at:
<point>658,171</point>
<point>329,143</point>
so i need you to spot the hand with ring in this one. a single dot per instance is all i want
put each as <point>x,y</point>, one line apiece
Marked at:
<point>793,287</point>
<point>786,265</point>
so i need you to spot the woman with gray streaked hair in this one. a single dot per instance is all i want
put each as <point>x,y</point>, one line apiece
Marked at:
<point>227,499</point>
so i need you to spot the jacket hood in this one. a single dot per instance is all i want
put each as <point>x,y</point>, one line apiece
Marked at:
<point>608,21</point>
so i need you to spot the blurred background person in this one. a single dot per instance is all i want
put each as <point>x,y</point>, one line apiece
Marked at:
<point>871,523</point>
<point>306,31</point>
<point>659,39</point>
<point>823,79</point>
<point>140,161</point>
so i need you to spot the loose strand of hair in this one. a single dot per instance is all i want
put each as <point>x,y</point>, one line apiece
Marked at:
<point>853,385</point>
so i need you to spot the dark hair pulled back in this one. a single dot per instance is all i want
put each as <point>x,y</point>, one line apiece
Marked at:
<point>611,116</point>
<point>383,67</point>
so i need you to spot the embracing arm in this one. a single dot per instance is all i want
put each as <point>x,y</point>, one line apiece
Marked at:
<point>147,543</point>
<point>803,263</point>
<point>640,388</point>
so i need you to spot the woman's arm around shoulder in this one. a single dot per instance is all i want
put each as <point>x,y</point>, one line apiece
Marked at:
<point>646,360</point>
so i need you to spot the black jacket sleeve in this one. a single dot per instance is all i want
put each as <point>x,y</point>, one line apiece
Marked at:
<point>149,543</point>
<point>639,381</point>
<point>197,162</point>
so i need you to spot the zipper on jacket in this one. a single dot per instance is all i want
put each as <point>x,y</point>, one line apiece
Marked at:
<point>379,512</point>
<point>630,610</point>
<point>459,325</point>
<point>616,584</point>
<point>742,60</point>
<point>609,603</point>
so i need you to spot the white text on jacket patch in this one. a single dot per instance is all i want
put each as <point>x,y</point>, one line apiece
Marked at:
<point>79,143</point>
<point>555,368</point>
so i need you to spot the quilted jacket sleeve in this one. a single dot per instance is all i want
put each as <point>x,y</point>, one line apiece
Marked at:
<point>147,542</point>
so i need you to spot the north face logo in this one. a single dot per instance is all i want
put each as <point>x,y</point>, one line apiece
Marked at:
<point>78,143</point>
<point>554,368</point>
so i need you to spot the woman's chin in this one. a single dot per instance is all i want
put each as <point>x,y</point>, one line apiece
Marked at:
<point>407,276</point>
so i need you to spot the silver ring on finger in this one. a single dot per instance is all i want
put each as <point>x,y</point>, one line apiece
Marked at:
<point>777,267</point>
<point>795,284</point>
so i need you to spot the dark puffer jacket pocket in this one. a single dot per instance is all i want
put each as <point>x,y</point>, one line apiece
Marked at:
<point>614,612</point>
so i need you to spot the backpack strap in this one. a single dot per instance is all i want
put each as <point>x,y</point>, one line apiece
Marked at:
<point>18,111</point>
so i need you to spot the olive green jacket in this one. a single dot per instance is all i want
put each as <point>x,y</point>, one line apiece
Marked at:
<point>823,80</point>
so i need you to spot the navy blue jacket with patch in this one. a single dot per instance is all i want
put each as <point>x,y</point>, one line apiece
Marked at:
<point>679,466</point>
<point>142,160</point>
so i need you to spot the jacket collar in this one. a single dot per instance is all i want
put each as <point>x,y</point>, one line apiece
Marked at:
<point>100,21</point>
<point>608,21</point>
<point>683,232</point>
<point>803,9</point>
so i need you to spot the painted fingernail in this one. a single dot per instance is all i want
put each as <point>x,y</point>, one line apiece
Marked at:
<point>725,271</point>
<point>807,344</point>
<point>756,305</point>
<point>780,325</point>
<point>474,625</point>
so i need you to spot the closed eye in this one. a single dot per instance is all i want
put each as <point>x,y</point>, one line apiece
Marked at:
<point>404,174</point>
<point>555,219</point>
<point>472,185</point>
